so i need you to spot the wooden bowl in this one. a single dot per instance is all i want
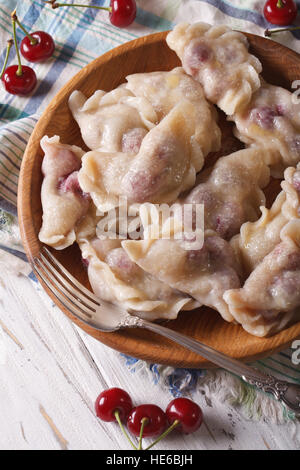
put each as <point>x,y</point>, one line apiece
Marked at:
<point>146,54</point>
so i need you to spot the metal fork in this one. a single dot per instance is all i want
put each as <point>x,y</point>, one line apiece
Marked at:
<point>106,317</point>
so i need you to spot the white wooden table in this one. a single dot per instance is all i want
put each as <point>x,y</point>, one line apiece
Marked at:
<point>51,373</point>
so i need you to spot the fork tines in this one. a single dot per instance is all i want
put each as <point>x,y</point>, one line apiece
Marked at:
<point>72,294</point>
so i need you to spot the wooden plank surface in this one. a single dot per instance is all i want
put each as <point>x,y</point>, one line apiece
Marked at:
<point>51,373</point>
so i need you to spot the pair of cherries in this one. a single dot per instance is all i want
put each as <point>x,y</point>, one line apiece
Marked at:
<point>115,404</point>
<point>36,47</point>
<point>39,46</point>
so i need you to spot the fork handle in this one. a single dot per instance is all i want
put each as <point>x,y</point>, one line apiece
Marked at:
<point>286,392</point>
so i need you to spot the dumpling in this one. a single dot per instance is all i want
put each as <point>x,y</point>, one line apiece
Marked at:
<point>164,90</point>
<point>232,193</point>
<point>116,121</point>
<point>219,59</point>
<point>165,165</point>
<point>114,277</point>
<point>63,201</point>
<point>169,158</point>
<point>257,239</point>
<point>273,119</point>
<point>270,297</point>
<point>204,272</point>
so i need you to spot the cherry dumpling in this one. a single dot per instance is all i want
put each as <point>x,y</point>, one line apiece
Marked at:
<point>218,58</point>
<point>64,203</point>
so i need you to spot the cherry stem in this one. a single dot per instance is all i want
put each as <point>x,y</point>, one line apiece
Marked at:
<point>9,45</point>
<point>164,434</point>
<point>280,4</point>
<point>269,32</point>
<point>19,71</point>
<point>117,416</point>
<point>54,5</point>
<point>32,40</point>
<point>144,421</point>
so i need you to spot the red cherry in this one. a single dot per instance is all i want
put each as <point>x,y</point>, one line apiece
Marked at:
<point>155,425</point>
<point>111,400</point>
<point>187,412</point>
<point>123,12</point>
<point>19,84</point>
<point>41,50</point>
<point>281,12</point>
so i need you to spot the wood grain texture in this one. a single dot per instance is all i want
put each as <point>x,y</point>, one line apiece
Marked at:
<point>52,371</point>
<point>146,54</point>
